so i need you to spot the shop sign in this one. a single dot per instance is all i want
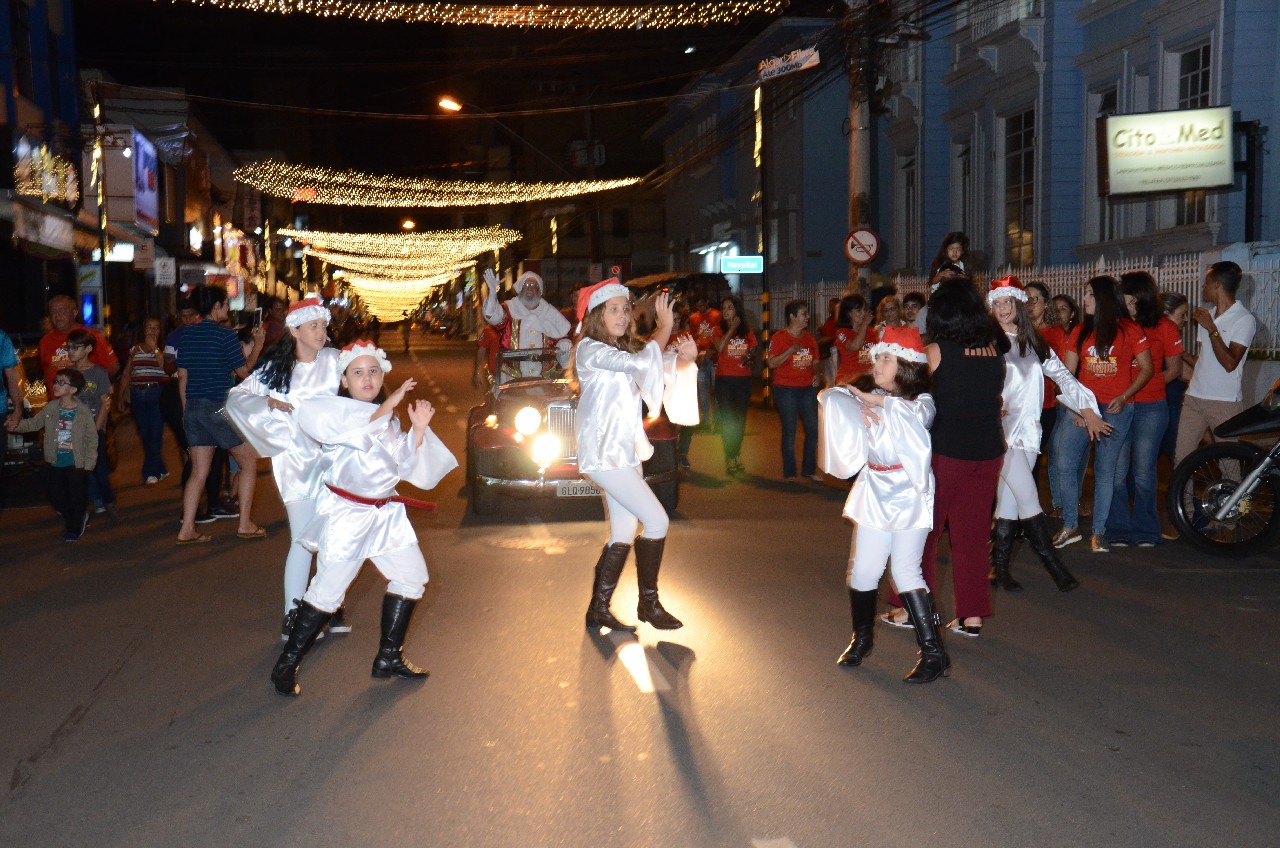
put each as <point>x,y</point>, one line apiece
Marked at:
<point>144,255</point>
<point>1165,151</point>
<point>38,227</point>
<point>796,60</point>
<point>146,184</point>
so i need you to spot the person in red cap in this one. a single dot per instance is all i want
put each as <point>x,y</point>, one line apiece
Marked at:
<point>617,373</point>
<point>1028,362</point>
<point>300,365</point>
<point>879,426</point>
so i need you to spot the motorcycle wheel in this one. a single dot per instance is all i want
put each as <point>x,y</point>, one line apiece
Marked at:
<point>1204,480</point>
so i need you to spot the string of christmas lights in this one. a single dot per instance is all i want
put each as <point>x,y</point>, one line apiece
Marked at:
<point>390,300</point>
<point>467,242</point>
<point>306,184</point>
<point>391,267</point>
<point>658,16</point>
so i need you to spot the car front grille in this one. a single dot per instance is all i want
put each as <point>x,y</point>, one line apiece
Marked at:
<point>560,424</point>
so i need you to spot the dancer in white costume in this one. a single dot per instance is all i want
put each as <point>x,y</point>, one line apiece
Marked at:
<point>528,320</point>
<point>879,426</point>
<point>359,516</point>
<point>262,407</point>
<point>616,373</point>
<point>1029,361</point>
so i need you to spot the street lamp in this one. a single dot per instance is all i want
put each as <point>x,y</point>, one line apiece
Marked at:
<point>408,224</point>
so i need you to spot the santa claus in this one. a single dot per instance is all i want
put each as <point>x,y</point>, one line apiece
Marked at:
<point>527,321</point>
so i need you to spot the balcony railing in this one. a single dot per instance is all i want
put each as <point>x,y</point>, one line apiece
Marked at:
<point>987,16</point>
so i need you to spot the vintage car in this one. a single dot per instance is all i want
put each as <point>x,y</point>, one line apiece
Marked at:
<point>520,440</point>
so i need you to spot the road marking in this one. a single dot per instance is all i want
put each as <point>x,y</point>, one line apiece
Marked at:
<point>772,843</point>
<point>636,660</point>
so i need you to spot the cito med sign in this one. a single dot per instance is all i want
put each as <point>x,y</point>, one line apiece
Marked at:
<point>1165,151</point>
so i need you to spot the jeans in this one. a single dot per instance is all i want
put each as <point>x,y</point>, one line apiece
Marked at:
<point>1110,462</point>
<point>1138,482</point>
<point>733,395</point>
<point>1064,421</point>
<point>100,491</point>
<point>145,403</point>
<point>798,403</point>
<point>68,493</point>
<point>1174,393</point>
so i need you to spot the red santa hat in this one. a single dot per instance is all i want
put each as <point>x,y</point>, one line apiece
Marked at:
<point>592,296</point>
<point>1006,286</point>
<point>902,342</point>
<point>362,347</point>
<point>308,309</point>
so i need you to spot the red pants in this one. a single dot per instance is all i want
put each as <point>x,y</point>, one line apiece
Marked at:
<point>963,503</point>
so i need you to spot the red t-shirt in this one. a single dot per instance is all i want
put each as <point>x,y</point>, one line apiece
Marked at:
<point>729,362</point>
<point>1108,373</point>
<point>1165,341</point>
<point>797,370</point>
<point>853,363</point>
<point>53,353</point>
<point>702,326</point>
<point>491,340</point>
<point>1057,339</point>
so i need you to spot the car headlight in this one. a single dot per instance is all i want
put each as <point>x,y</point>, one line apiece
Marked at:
<point>546,449</point>
<point>528,420</point>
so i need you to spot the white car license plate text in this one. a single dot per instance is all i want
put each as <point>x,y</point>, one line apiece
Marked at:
<point>576,489</point>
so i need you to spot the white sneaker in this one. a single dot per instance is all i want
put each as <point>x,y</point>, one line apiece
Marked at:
<point>151,481</point>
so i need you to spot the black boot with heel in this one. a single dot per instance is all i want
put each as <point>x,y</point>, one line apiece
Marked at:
<point>397,611</point>
<point>303,630</point>
<point>862,607</point>
<point>1002,536</point>
<point>933,662</point>
<point>1041,540</point>
<point>608,570</point>
<point>648,561</point>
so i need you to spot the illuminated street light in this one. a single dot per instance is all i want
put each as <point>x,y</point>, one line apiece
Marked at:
<point>449,104</point>
<point>408,224</point>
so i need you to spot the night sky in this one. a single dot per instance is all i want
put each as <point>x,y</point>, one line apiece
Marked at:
<point>338,64</point>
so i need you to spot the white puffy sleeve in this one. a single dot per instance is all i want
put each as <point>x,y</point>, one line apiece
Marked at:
<point>680,390</point>
<point>842,434</point>
<point>268,431</point>
<point>426,465</point>
<point>1074,395</point>
<point>644,366</point>
<point>908,423</point>
<point>333,420</point>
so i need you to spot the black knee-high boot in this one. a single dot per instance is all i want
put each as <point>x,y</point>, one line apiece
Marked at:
<point>648,561</point>
<point>307,623</point>
<point>933,662</point>
<point>396,613</point>
<point>1041,540</point>
<point>608,569</point>
<point>862,606</point>
<point>1002,536</point>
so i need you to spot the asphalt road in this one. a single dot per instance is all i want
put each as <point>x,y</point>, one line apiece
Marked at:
<point>136,709</point>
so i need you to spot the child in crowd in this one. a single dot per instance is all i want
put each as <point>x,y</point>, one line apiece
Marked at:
<point>879,426</point>
<point>97,396</point>
<point>70,448</point>
<point>359,516</point>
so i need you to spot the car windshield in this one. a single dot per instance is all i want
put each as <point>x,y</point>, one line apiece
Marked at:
<point>530,364</point>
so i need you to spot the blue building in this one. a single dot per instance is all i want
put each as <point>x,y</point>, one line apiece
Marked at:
<point>40,180</point>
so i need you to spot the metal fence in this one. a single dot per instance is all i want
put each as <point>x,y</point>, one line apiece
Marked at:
<point>1181,273</point>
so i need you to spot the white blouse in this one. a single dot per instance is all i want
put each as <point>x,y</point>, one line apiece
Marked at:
<point>296,459</point>
<point>614,383</point>
<point>366,458</point>
<point>1024,394</point>
<point>895,488</point>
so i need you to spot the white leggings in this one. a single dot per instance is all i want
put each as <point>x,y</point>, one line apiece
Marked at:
<point>630,503</point>
<point>297,564</point>
<point>871,549</point>
<point>404,568</point>
<point>1017,496</point>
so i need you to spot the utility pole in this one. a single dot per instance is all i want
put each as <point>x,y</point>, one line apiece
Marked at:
<point>861,81</point>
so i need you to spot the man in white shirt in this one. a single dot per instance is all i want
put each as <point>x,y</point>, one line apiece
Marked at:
<point>530,321</point>
<point>1223,337</point>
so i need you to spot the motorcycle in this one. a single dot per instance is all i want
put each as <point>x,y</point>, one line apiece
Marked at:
<point>1222,497</point>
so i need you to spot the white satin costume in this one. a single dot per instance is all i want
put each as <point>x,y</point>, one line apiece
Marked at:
<point>366,458</point>
<point>297,462</point>
<point>612,443</point>
<point>891,503</point>
<point>530,327</point>
<point>1024,373</point>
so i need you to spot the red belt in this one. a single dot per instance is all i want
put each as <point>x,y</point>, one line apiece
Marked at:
<point>380,502</point>
<point>870,465</point>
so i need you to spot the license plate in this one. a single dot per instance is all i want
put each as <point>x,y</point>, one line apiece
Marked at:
<point>576,489</point>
